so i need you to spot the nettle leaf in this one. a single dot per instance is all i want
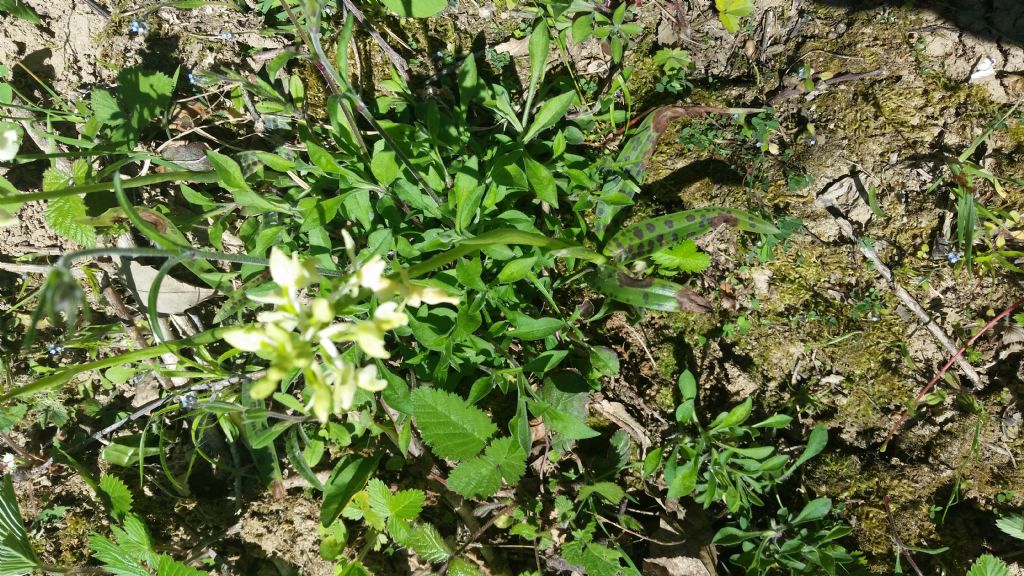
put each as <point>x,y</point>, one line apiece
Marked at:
<point>117,491</point>
<point>404,504</point>
<point>685,258</point>
<point>731,11</point>
<point>989,565</point>
<point>449,425</point>
<point>648,236</point>
<point>65,215</point>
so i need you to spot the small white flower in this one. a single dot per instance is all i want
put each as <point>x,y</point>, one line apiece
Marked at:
<point>10,464</point>
<point>289,273</point>
<point>371,275</point>
<point>418,295</point>
<point>367,379</point>
<point>370,339</point>
<point>388,316</point>
<point>10,141</point>
<point>247,338</point>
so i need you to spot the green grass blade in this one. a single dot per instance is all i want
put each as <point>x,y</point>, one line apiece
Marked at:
<point>58,379</point>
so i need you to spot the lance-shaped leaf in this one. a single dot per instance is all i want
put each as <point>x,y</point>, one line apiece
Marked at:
<point>648,236</point>
<point>652,293</point>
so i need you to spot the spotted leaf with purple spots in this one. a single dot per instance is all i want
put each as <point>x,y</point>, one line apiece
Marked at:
<point>648,236</point>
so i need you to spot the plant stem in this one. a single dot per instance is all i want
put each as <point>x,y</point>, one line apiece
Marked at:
<point>150,179</point>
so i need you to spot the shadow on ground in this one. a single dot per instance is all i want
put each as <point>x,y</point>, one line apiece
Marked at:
<point>996,20</point>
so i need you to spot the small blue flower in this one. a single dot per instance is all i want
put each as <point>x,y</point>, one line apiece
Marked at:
<point>225,35</point>
<point>812,141</point>
<point>137,27</point>
<point>953,257</point>
<point>189,400</point>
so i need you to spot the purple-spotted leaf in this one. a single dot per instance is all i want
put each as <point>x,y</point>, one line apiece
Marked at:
<point>649,236</point>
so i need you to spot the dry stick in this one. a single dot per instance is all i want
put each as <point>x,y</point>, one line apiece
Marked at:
<point>896,537</point>
<point>395,57</point>
<point>921,314</point>
<point>907,299</point>
<point>986,328</point>
<point>480,532</point>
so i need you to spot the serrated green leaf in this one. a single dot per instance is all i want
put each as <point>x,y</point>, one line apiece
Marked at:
<point>17,556</point>
<point>989,565</point>
<point>105,107</point>
<point>117,491</point>
<point>449,425</point>
<point>474,477</point>
<point>115,559</point>
<point>144,95</point>
<point>562,404</point>
<point>461,567</point>
<point>64,216</point>
<point>684,257</point>
<point>429,544</point>
<point>1012,525</point>
<point>507,458</point>
<point>167,566</point>
<point>406,504</point>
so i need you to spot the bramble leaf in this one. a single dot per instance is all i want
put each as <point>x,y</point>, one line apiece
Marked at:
<point>449,425</point>
<point>117,491</point>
